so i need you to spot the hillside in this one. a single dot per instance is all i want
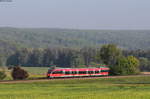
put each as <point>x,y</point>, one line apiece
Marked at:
<point>46,37</point>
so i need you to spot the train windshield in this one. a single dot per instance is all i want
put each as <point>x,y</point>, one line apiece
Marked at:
<point>50,71</point>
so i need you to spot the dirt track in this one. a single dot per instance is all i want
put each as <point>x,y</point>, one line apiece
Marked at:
<point>46,80</point>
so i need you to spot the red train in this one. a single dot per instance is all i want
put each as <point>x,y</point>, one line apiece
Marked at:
<point>77,72</point>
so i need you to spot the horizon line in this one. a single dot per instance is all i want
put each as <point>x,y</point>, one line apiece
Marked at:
<point>74,28</point>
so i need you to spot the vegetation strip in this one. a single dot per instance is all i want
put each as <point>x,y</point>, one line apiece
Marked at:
<point>58,79</point>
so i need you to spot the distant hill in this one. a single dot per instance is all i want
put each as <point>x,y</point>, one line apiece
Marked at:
<point>47,37</point>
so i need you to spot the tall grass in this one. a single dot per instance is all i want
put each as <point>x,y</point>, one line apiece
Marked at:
<point>102,88</point>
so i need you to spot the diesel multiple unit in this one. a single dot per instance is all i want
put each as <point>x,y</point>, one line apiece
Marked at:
<point>77,72</point>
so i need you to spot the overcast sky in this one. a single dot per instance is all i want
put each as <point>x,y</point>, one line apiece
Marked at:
<point>77,14</point>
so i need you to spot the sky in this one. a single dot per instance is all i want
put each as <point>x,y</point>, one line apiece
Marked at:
<point>76,14</point>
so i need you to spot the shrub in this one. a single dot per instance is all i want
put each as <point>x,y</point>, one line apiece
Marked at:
<point>126,66</point>
<point>2,75</point>
<point>19,73</point>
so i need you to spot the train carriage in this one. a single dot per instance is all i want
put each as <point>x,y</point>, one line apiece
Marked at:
<point>77,72</point>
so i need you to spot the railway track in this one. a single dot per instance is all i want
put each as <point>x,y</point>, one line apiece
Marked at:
<point>46,80</point>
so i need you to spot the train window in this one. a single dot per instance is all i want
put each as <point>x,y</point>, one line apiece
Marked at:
<point>58,72</point>
<point>82,72</point>
<point>74,72</point>
<point>90,72</point>
<point>104,70</point>
<point>96,72</point>
<point>67,72</point>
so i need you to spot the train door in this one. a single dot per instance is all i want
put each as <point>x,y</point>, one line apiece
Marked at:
<point>87,74</point>
<point>94,73</point>
<point>90,72</point>
<point>74,73</point>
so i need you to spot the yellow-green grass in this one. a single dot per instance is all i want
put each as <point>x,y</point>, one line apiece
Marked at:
<point>34,72</point>
<point>101,88</point>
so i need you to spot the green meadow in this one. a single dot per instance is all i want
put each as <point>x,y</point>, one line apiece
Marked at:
<point>34,72</point>
<point>96,88</point>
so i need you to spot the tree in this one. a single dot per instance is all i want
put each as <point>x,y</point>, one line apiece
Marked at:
<point>88,55</point>
<point>20,57</point>
<point>23,56</point>
<point>19,73</point>
<point>120,67</point>
<point>109,54</point>
<point>144,64</point>
<point>1,63</point>
<point>66,57</point>
<point>12,60</point>
<point>36,58</point>
<point>125,66</point>
<point>133,65</point>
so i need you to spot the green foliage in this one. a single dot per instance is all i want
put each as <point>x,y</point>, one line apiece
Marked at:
<point>14,39</point>
<point>142,55</point>
<point>109,54</point>
<point>1,63</point>
<point>35,58</point>
<point>64,57</point>
<point>47,37</point>
<point>144,64</point>
<point>126,66</point>
<point>120,68</point>
<point>133,65</point>
<point>88,55</point>
<point>2,75</point>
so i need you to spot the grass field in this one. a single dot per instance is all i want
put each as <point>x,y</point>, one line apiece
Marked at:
<point>34,72</point>
<point>96,88</point>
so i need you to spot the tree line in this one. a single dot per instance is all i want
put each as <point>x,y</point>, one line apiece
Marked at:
<point>64,57</point>
<point>121,62</point>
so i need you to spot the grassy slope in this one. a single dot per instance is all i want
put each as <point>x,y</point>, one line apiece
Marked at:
<point>102,88</point>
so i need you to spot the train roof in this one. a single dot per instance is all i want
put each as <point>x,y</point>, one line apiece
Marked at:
<point>82,68</point>
<point>89,68</point>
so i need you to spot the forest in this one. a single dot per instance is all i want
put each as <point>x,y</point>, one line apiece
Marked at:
<point>42,47</point>
<point>109,55</point>
<point>50,37</point>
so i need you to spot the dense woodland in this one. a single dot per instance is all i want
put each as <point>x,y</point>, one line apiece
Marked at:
<point>76,58</point>
<point>48,38</point>
<point>62,57</point>
<point>71,48</point>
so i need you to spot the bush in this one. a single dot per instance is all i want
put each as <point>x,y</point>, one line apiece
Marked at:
<point>19,73</point>
<point>126,66</point>
<point>2,75</point>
